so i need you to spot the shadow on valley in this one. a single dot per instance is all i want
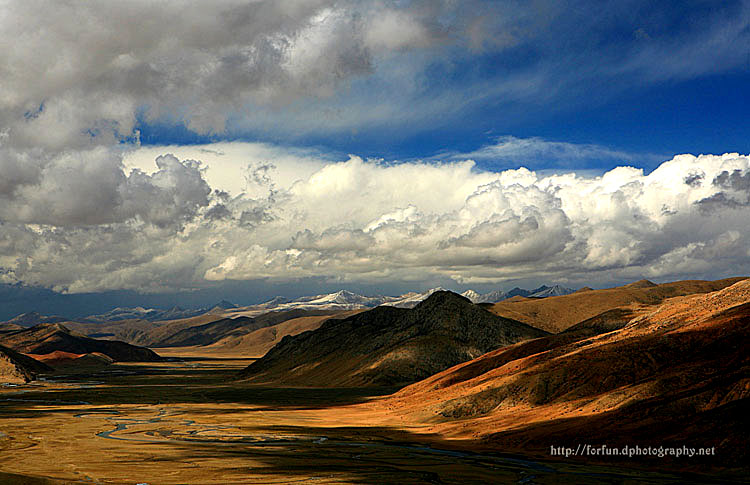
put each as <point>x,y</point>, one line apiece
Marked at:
<point>359,454</point>
<point>193,383</point>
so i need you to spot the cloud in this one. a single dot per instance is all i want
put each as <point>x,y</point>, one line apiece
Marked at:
<point>372,222</point>
<point>283,68</point>
<point>75,77</point>
<point>509,151</point>
<point>90,188</point>
<point>238,167</point>
<point>83,208</point>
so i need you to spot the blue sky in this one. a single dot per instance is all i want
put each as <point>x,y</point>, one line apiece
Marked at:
<point>636,77</point>
<point>267,147</point>
<point>702,115</point>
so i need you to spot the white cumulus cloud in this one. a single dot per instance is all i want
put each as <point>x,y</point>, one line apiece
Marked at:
<point>372,222</point>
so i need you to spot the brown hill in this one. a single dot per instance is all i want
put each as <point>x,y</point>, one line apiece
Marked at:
<point>34,318</point>
<point>644,283</point>
<point>389,346</point>
<point>557,313</point>
<point>208,333</point>
<point>46,338</point>
<point>258,342</point>
<point>16,368</point>
<point>230,329</point>
<point>177,332</point>
<point>676,376</point>
<point>139,332</point>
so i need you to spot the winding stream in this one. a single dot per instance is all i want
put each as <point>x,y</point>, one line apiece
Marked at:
<point>528,469</point>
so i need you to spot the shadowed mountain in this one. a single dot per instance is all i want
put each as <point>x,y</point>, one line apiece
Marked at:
<point>16,368</point>
<point>222,306</point>
<point>230,328</point>
<point>140,313</point>
<point>206,334</point>
<point>389,346</point>
<point>663,378</point>
<point>139,332</point>
<point>258,342</point>
<point>51,337</point>
<point>547,291</point>
<point>557,313</point>
<point>207,329</point>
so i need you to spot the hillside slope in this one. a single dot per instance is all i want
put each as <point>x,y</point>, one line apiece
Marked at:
<point>557,313</point>
<point>206,329</point>
<point>389,346</point>
<point>206,334</point>
<point>258,342</point>
<point>143,333</point>
<point>16,368</point>
<point>676,375</point>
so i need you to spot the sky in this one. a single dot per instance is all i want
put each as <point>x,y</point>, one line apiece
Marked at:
<point>176,152</point>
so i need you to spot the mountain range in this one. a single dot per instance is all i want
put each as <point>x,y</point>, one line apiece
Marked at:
<point>346,300</point>
<point>337,301</point>
<point>498,295</point>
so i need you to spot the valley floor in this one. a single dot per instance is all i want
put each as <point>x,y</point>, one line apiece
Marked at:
<point>189,421</point>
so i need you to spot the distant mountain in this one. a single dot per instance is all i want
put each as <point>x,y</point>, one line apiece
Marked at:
<point>338,301</point>
<point>341,297</point>
<point>140,313</point>
<point>475,297</point>
<point>49,337</point>
<point>499,295</point>
<point>222,306</point>
<point>547,291</point>
<point>153,314</point>
<point>346,300</point>
<point>273,302</point>
<point>410,300</point>
<point>34,318</point>
<point>472,296</point>
<point>389,346</point>
<point>492,297</point>
<point>517,292</point>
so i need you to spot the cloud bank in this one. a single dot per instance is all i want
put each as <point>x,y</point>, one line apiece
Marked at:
<point>371,221</point>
